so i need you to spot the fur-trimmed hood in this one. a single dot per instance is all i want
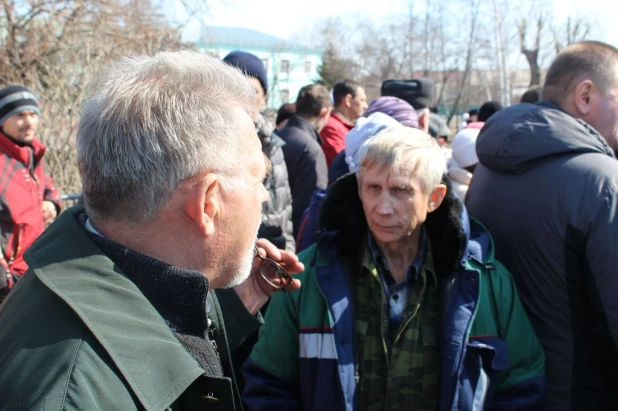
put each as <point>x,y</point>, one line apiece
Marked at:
<point>342,220</point>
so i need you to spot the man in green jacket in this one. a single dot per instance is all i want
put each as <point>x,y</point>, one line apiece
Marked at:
<point>403,306</point>
<point>115,311</point>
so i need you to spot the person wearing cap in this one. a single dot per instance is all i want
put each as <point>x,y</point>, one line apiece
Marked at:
<point>29,201</point>
<point>464,161</point>
<point>487,110</point>
<point>438,129</point>
<point>276,224</point>
<point>419,93</point>
<point>473,115</point>
<point>393,107</point>
<point>350,102</point>
<point>402,306</point>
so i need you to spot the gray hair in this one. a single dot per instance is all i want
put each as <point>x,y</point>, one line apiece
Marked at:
<point>405,148</point>
<point>153,122</point>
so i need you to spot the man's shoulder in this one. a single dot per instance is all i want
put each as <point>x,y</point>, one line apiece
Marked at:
<point>45,348</point>
<point>594,164</point>
<point>295,135</point>
<point>336,122</point>
<point>299,141</point>
<point>37,318</point>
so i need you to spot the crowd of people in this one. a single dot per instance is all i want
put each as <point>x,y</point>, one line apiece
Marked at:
<point>338,254</point>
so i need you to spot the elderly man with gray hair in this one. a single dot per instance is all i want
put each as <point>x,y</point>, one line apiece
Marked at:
<point>115,312</point>
<point>403,306</point>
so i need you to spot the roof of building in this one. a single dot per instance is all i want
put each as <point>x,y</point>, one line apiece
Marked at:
<point>239,37</point>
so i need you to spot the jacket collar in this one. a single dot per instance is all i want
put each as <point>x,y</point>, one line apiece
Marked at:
<point>178,294</point>
<point>22,153</point>
<point>299,122</point>
<point>339,117</point>
<point>114,311</point>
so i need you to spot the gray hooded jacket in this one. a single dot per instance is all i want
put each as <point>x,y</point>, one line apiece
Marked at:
<point>277,211</point>
<point>547,189</point>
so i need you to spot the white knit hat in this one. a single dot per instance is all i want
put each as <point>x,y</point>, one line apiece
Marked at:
<point>464,147</point>
<point>364,129</point>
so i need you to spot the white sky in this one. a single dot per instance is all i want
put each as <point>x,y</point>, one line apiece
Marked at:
<point>286,18</point>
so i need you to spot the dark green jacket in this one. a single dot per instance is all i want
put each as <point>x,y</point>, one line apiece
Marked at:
<point>75,333</point>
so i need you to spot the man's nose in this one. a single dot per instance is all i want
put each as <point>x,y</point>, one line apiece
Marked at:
<point>384,206</point>
<point>264,194</point>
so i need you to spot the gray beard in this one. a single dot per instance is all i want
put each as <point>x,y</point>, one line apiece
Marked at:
<point>243,272</point>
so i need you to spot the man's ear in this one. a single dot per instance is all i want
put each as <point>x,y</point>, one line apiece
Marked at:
<point>203,203</point>
<point>436,197</point>
<point>423,121</point>
<point>581,96</point>
<point>347,100</point>
<point>325,112</point>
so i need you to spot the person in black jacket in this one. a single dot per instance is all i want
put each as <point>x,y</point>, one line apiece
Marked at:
<point>303,152</point>
<point>547,189</point>
<point>276,224</point>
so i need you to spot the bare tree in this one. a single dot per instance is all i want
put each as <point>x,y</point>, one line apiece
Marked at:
<point>57,47</point>
<point>575,29</point>
<point>474,7</point>
<point>532,53</point>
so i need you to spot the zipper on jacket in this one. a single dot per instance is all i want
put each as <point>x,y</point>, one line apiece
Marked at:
<point>407,322</point>
<point>490,267</point>
<point>411,317</point>
<point>16,240</point>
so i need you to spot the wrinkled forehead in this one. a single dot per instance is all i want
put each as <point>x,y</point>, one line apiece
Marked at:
<point>406,164</point>
<point>392,175</point>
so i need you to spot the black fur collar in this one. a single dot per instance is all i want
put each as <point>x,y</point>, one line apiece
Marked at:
<point>342,211</point>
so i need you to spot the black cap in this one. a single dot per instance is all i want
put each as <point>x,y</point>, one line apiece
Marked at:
<point>249,64</point>
<point>489,109</point>
<point>418,92</point>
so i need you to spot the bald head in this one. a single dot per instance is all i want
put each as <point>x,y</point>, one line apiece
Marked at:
<point>591,60</point>
<point>583,80</point>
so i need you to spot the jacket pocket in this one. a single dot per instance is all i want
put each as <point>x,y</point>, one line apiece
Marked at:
<point>483,364</point>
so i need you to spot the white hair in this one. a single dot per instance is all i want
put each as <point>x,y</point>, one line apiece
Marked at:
<point>408,148</point>
<point>155,121</point>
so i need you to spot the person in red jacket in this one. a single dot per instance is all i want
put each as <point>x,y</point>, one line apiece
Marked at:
<point>350,102</point>
<point>28,199</point>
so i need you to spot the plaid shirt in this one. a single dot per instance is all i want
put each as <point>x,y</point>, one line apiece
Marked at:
<point>397,295</point>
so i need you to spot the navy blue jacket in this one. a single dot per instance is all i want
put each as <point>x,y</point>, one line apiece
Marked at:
<point>547,189</point>
<point>306,164</point>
